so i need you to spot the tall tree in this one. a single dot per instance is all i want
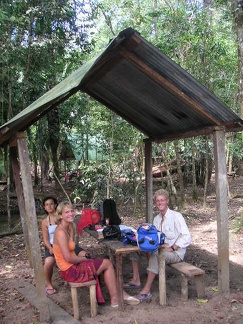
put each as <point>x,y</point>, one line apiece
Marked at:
<point>40,40</point>
<point>237,9</point>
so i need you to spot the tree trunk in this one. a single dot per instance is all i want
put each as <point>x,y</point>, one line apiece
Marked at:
<point>206,175</point>
<point>44,164</point>
<point>180,175</point>
<point>229,152</point>
<point>171,186</point>
<point>237,9</point>
<point>155,22</point>
<point>7,160</point>
<point>54,137</point>
<point>8,191</point>
<point>139,164</point>
<point>194,181</point>
<point>109,178</point>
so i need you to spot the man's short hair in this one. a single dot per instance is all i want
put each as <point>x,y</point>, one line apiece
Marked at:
<point>162,192</point>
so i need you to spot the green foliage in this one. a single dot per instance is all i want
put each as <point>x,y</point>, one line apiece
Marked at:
<point>185,151</point>
<point>200,39</point>
<point>2,166</point>
<point>39,42</point>
<point>91,183</point>
<point>236,147</point>
<point>43,42</point>
<point>91,178</point>
<point>237,225</point>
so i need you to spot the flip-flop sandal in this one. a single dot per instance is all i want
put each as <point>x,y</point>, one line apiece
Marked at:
<point>51,291</point>
<point>114,305</point>
<point>143,297</point>
<point>131,286</point>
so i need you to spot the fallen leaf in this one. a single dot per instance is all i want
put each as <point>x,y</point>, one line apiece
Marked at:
<point>219,316</point>
<point>9,267</point>
<point>234,301</point>
<point>202,301</point>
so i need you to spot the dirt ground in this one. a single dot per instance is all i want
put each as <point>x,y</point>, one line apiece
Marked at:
<point>215,308</point>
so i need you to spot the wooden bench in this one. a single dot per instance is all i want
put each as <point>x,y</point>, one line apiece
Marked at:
<point>92,291</point>
<point>190,271</point>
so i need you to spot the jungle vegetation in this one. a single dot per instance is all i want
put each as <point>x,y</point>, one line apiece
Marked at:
<point>43,41</point>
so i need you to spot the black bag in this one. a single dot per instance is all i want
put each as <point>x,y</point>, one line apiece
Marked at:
<point>111,232</point>
<point>109,213</point>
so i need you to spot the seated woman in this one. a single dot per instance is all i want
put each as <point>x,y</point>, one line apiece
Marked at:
<point>80,268</point>
<point>48,227</point>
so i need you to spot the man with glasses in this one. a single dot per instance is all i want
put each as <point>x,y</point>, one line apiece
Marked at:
<point>177,239</point>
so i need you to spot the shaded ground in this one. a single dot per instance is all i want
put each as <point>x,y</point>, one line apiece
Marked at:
<point>215,308</point>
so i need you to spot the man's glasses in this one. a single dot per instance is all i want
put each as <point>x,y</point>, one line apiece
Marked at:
<point>161,200</point>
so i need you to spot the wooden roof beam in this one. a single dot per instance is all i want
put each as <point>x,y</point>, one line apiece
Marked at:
<point>204,131</point>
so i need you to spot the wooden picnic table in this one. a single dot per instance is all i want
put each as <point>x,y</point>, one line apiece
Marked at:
<point>118,248</point>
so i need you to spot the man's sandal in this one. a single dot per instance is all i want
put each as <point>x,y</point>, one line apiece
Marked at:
<point>144,297</point>
<point>130,285</point>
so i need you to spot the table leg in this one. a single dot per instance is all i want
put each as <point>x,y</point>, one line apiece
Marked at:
<point>162,278</point>
<point>111,256</point>
<point>119,280</point>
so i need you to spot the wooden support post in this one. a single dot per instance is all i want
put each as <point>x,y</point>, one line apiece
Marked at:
<point>222,210</point>
<point>20,196</point>
<point>162,278</point>
<point>148,181</point>
<point>31,221</point>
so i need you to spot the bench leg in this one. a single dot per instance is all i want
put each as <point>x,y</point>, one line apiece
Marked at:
<point>93,302</point>
<point>200,286</point>
<point>184,287</point>
<point>74,295</point>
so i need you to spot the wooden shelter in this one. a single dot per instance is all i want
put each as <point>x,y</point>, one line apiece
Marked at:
<point>154,94</point>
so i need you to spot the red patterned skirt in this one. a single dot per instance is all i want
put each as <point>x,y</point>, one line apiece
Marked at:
<point>83,272</point>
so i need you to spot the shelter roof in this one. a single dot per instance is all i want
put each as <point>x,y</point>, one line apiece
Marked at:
<point>142,85</point>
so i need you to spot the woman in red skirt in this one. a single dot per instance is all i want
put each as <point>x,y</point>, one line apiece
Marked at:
<point>79,268</point>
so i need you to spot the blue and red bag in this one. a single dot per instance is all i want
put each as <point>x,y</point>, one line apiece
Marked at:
<point>128,236</point>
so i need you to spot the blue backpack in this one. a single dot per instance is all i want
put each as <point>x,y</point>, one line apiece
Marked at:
<point>128,237</point>
<point>148,237</point>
